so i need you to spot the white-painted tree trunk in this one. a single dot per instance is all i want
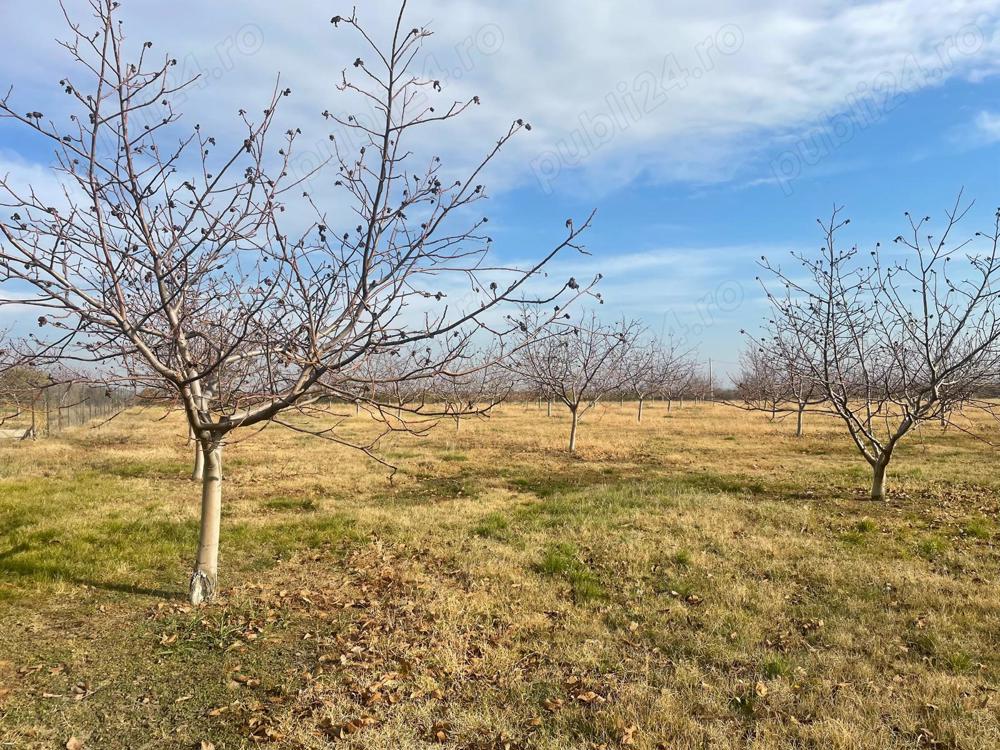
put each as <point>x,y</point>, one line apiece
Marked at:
<point>798,422</point>
<point>572,431</point>
<point>198,473</point>
<point>205,578</point>
<point>878,480</point>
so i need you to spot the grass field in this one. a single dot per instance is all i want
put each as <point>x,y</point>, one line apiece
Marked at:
<point>704,580</point>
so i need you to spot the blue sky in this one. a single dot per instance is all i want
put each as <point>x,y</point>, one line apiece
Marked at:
<point>692,128</point>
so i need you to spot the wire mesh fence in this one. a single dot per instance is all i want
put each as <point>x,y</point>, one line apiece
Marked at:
<point>53,409</point>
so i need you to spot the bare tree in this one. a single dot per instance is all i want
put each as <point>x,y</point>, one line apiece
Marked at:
<point>20,388</point>
<point>389,382</point>
<point>894,341</point>
<point>676,380</point>
<point>652,368</point>
<point>776,386</point>
<point>475,389</point>
<point>577,362</point>
<point>413,387</point>
<point>178,269</point>
<point>757,384</point>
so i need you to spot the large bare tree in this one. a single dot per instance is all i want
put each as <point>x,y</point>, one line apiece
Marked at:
<point>896,339</point>
<point>170,259</point>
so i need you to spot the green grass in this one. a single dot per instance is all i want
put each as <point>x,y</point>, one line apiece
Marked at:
<point>711,592</point>
<point>776,667</point>
<point>978,528</point>
<point>563,561</point>
<point>494,526</point>
<point>304,504</point>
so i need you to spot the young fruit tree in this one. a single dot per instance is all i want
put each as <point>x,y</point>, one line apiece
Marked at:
<point>776,386</point>
<point>579,363</point>
<point>20,388</point>
<point>411,388</point>
<point>676,380</point>
<point>650,368</point>
<point>474,388</point>
<point>171,262</point>
<point>896,340</point>
<point>389,383</point>
<point>757,384</point>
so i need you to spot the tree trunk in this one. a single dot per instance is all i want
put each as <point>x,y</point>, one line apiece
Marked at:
<point>205,578</point>
<point>640,410</point>
<point>198,474</point>
<point>798,421</point>
<point>878,479</point>
<point>670,403</point>
<point>549,409</point>
<point>572,432</point>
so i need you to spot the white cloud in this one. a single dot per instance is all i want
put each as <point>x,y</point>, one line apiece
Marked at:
<point>987,126</point>
<point>575,68</point>
<point>569,66</point>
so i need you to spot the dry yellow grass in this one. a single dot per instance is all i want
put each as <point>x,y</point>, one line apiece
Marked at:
<point>702,580</point>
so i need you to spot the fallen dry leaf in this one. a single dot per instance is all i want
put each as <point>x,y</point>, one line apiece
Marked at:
<point>439,732</point>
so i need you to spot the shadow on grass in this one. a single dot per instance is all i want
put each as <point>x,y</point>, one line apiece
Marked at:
<point>103,555</point>
<point>558,481</point>
<point>126,588</point>
<point>464,485</point>
<point>37,571</point>
<point>15,550</point>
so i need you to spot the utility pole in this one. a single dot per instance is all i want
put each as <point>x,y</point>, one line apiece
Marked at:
<point>711,381</point>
